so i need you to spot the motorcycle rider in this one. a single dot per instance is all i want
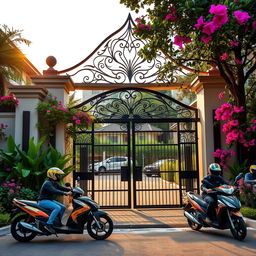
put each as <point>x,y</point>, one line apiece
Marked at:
<point>212,180</point>
<point>250,177</point>
<point>49,189</point>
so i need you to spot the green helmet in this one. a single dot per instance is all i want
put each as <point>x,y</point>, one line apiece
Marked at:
<point>214,169</point>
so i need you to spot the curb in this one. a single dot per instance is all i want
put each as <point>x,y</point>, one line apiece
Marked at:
<point>5,230</point>
<point>250,223</point>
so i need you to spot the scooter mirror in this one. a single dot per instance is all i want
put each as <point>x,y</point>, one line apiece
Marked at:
<point>67,184</point>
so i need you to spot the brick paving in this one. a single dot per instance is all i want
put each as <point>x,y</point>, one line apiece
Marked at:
<point>140,218</point>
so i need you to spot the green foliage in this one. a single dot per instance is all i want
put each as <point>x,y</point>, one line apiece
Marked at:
<point>238,168</point>
<point>30,167</point>
<point>249,212</point>
<point>4,217</point>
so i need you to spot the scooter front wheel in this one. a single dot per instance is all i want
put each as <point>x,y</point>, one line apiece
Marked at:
<point>238,229</point>
<point>101,230</point>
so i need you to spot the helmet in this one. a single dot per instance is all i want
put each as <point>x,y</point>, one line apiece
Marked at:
<point>214,169</point>
<point>253,169</point>
<point>54,173</point>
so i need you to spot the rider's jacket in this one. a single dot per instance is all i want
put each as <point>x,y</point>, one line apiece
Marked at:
<point>249,178</point>
<point>49,190</point>
<point>214,182</point>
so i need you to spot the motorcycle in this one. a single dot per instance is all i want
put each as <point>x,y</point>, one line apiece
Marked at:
<point>227,212</point>
<point>29,219</point>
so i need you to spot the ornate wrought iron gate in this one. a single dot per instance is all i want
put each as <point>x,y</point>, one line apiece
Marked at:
<point>141,150</point>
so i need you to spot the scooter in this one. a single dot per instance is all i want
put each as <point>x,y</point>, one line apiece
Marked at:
<point>29,219</point>
<point>227,212</point>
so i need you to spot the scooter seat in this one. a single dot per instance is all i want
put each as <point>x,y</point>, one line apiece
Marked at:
<point>34,204</point>
<point>199,199</point>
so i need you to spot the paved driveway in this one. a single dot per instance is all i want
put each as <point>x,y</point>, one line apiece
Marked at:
<point>162,242</point>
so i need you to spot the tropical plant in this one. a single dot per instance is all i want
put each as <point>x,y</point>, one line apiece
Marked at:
<point>30,167</point>
<point>12,60</point>
<point>237,168</point>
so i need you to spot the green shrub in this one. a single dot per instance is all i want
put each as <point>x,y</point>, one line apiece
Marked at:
<point>30,167</point>
<point>10,190</point>
<point>4,217</point>
<point>249,212</point>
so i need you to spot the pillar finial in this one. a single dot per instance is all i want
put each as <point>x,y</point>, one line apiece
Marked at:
<point>51,61</point>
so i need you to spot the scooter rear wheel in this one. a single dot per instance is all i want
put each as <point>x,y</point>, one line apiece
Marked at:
<point>192,224</point>
<point>102,232</point>
<point>19,233</point>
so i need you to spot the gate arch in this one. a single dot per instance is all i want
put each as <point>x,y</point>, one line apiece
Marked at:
<point>141,150</point>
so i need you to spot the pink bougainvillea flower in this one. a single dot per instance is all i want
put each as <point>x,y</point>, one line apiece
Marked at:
<point>218,9</point>
<point>171,17</point>
<point>11,191</point>
<point>241,17</point>
<point>224,56</point>
<point>220,95</point>
<point>206,39</point>
<point>136,30</point>
<point>252,142</point>
<point>234,123</point>
<point>254,121</point>
<point>148,27</point>
<point>186,39</point>
<point>138,20</point>
<point>238,110</point>
<point>200,22</point>
<point>239,62</point>
<point>48,111</point>
<point>220,15</point>
<point>142,26</point>
<point>78,121</point>
<point>74,118</point>
<point>233,43</point>
<point>209,28</point>
<point>178,40</point>
<point>226,127</point>
<point>254,24</point>
<point>219,21</point>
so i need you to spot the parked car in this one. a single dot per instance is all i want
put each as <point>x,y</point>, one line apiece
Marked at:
<point>110,164</point>
<point>154,168</point>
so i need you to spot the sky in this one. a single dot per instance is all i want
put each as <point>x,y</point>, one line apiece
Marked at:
<point>68,30</point>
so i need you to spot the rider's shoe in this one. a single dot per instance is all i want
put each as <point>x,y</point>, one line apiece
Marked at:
<point>211,222</point>
<point>49,228</point>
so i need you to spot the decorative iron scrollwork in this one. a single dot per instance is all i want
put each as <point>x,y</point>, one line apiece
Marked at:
<point>117,61</point>
<point>135,104</point>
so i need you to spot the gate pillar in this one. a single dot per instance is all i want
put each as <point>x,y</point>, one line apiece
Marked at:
<point>26,116</point>
<point>207,89</point>
<point>58,86</point>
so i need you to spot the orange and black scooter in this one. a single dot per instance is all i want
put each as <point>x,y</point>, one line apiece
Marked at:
<point>29,219</point>
<point>227,213</point>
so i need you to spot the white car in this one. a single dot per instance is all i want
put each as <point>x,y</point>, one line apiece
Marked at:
<point>110,164</point>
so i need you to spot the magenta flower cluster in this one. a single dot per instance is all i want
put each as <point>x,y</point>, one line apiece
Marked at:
<point>80,117</point>
<point>179,40</point>
<point>223,155</point>
<point>220,17</point>
<point>232,128</point>
<point>141,25</point>
<point>12,186</point>
<point>172,16</point>
<point>9,100</point>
